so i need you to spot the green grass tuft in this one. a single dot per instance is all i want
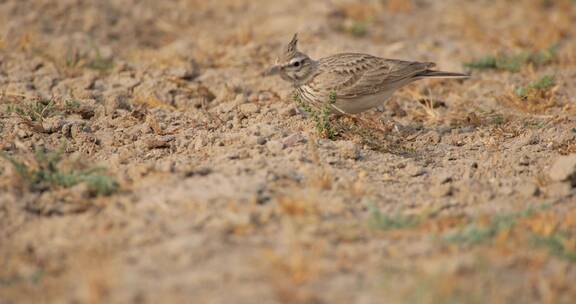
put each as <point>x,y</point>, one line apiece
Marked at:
<point>47,174</point>
<point>513,63</point>
<point>332,97</point>
<point>358,29</point>
<point>34,111</point>
<point>474,233</point>
<point>541,85</point>
<point>555,244</point>
<point>100,63</point>
<point>381,221</point>
<point>72,105</point>
<point>321,116</point>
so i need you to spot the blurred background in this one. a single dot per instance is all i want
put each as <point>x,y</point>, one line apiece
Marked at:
<point>215,191</point>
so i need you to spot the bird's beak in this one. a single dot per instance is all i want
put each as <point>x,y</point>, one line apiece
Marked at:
<point>273,70</point>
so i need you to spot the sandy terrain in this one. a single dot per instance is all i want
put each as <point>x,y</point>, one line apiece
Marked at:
<point>146,160</point>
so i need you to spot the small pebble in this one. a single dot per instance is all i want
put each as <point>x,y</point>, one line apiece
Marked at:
<point>275,146</point>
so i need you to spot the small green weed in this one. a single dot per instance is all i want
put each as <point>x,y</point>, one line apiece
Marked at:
<point>497,119</point>
<point>321,116</point>
<point>301,104</point>
<point>556,245</point>
<point>99,63</point>
<point>33,111</point>
<point>47,174</point>
<point>475,233</point>
<point>381,221</point>
<point>541,85</point>
<point>72,105</point>
<point>323,125</point>
<point>358,29</point>
<point>514,63</point>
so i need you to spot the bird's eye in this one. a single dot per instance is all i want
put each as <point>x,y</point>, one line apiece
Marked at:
<point>296,64</point>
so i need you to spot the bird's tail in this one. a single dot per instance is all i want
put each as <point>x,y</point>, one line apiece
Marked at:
<point>440,74</point>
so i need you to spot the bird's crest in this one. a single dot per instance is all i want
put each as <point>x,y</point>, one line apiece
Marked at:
<point>292,47</point>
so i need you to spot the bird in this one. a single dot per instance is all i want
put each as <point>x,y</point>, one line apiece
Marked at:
<point>349,83</point>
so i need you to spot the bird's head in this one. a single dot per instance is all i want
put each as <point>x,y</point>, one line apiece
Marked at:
<point>293,65</point>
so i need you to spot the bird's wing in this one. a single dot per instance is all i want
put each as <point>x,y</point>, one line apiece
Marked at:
<point>351,75</point>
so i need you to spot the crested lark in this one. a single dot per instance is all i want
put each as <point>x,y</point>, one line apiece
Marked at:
<point>349,82</point>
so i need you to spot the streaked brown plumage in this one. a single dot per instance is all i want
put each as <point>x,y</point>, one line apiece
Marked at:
<point>359,81</point>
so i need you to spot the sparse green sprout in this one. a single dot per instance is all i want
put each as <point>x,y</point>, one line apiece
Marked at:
<point>541,85</point>
<point>100,63</point>
<point>48,174</point>
<point>323,123</point>
<point>72,59</point>
<point>21,168</point>
<point>545,56</point>
<point>72,105</point>
<point>556,245</point>
<point>321,117</point>
<point>544,83</point>
<point>506,63</point>
<point>488,62</point>
<point>381,221</point>
<point>474,233</point>
<point>301,104</point>
<point>514,63</point>
<point>498,119</point>
<point>34,111</point>
<point>535,124</point>
<point>332,97</point>
<point>99,183</point>
<point>358,29</point>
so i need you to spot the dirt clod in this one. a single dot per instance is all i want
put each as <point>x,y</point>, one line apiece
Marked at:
<point>564,169</point>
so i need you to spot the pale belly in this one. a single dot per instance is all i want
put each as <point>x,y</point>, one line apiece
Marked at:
<point>362,103</point>
<point>346,105</point>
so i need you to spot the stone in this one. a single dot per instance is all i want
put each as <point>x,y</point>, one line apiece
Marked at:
<point>265,96</point>
<point>413,170</point>
<point>159,142</point>
<point>267,130</point>
<point>200,171</point>
<point>260,140</point>
<point>249,108</point>
<point>294,140</point>
<point>288,111</point>
<point>226,107</point>
<point>443,177</point>
<point>53,124</point>
<point>275,146</point>
<point>116,99</point>
<point>187,72</point>
<point>564,169</point>
<point>528,189</point>
<point>432,137</point>
<point>558,189</point>
<point>240,99</point>
<point>348,149</point>
<point>441,190</point>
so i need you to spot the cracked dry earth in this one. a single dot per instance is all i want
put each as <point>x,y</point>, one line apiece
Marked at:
<point>453,191</point>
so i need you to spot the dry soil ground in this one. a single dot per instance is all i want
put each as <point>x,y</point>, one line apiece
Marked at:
<point>146,160</point>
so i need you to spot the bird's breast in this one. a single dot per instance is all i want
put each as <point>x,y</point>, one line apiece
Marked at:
<point>309,94</point>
